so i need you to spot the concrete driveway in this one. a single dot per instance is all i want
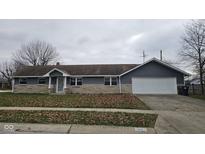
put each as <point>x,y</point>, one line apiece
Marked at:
<point>177,114</point>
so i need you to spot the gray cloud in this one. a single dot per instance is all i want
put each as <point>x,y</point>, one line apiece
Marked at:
<point>95,41</point>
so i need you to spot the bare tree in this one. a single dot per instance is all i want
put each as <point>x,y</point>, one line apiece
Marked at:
<point>193,47</point>
<point>35,53</point>
<point>6,70</point>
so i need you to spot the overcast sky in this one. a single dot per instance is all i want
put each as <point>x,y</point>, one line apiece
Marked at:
<point>96,41</point>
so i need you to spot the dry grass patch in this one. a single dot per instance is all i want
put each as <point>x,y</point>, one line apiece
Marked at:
<point>202,97</point>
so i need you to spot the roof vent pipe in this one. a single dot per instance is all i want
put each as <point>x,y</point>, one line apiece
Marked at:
<point>161,55</point>
<point>58,63</point>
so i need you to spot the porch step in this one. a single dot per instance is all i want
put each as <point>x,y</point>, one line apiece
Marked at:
<point>57,93</point>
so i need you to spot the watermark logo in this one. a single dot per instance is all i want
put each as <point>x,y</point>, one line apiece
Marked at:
<point>8,127</point>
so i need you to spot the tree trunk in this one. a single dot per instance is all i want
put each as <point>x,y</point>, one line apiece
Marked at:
<point>201,81</point>
<point>201,72</point>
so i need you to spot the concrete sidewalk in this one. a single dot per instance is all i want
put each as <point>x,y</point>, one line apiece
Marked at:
<point>26,128</point>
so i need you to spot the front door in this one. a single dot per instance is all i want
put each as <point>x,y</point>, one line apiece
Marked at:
<point>60,84</point>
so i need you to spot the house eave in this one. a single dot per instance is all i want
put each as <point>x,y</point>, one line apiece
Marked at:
<point>55,69</point>
<point>27,76</point>
<point>67,76</point>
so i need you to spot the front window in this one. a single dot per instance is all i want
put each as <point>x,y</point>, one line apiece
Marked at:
<point>107,80</point>
<point>76,81</point>
<point>23,81</point>
<point>110,81</point>
<point>79,81</point>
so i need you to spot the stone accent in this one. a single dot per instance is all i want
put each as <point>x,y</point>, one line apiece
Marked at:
<point>92,88</point>
<point>52,89</point>
<point>31,88</point>
<point>126,88</point>
<point>84,89</point>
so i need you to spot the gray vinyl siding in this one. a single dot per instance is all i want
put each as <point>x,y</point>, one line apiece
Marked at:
<point>152,69</point>
<point>93,80</point>
<point>30,80</point>
<point>56,73</point>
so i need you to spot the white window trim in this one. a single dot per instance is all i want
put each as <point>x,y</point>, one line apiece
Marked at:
<point>76,81</point>
<point>116,81</point>
<point>104,80</point>
<point>110,81</point>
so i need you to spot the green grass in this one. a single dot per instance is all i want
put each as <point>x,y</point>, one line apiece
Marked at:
<point>125,101</point>
<point>202,97</point>
<point>79,117</point>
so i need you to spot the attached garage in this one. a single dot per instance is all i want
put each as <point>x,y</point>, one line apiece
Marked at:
<point>153,77</point>
<point>161,85</point>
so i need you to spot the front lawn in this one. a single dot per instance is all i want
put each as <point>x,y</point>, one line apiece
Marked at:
<point>125,101</point>
<point>79,117</point>
<point>198,96</point>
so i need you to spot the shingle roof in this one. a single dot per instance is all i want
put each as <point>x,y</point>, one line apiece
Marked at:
<point>98,69</point>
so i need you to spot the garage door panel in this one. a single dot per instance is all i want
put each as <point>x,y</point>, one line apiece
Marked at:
<point>154,86</point>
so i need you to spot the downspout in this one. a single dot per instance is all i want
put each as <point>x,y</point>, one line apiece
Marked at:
<point>120,86</point>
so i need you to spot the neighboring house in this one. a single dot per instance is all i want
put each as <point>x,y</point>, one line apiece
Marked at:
<point>4,84</point>
<point>151,77</point>
<point>195,81</point>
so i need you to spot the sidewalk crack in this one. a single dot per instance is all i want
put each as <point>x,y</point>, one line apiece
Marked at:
<point>69,129</point>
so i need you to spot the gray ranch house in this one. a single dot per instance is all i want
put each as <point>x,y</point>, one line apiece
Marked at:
<point>151,77</point>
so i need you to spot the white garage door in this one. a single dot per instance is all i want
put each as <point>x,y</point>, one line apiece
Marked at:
<point>154,86</point>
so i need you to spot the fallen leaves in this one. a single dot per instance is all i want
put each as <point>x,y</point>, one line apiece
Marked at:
<point>73,101</point>
<point>79,117</point>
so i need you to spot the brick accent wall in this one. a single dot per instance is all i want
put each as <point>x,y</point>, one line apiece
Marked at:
<point>52,89</point>
<point>93,88</point>
<point>98,88</point>
<point>85,88</point>
<point>126,88</point>
<point>31,88</point>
